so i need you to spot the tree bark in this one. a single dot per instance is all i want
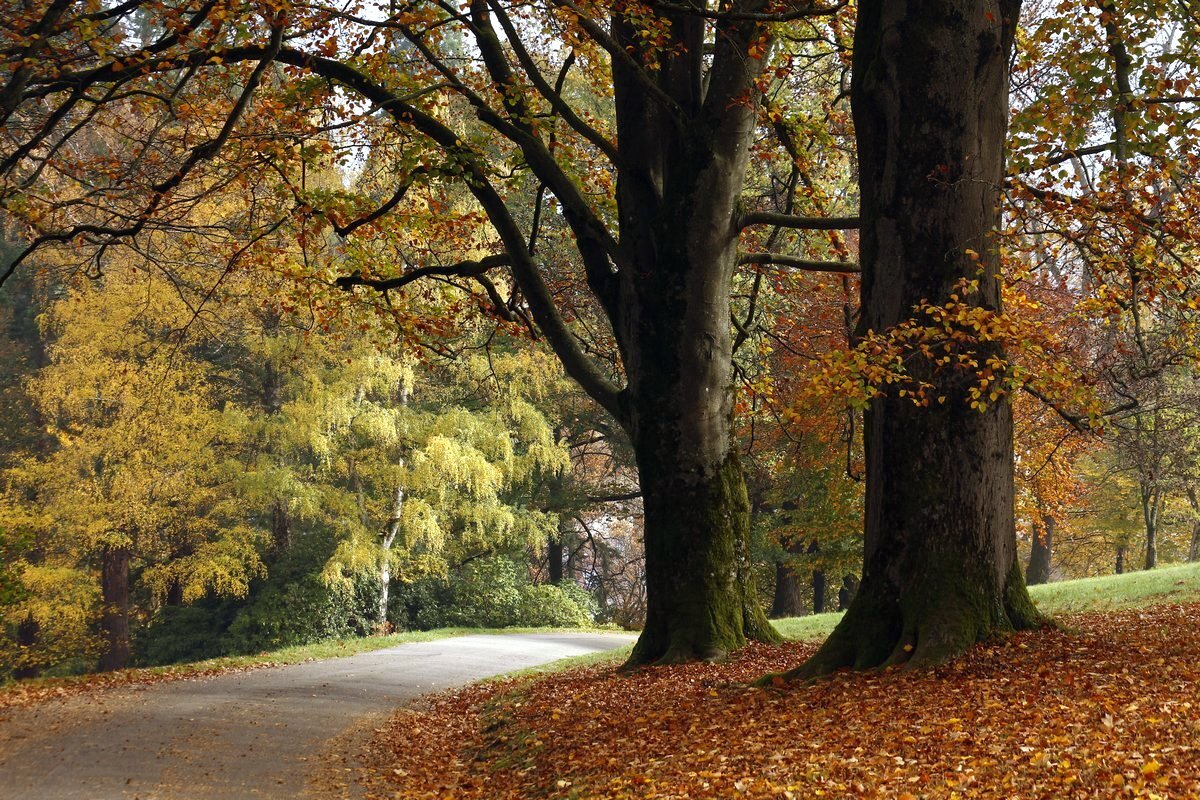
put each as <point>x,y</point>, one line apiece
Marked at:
<point>818,582</point>
<point>1038,570</point>
<point>1194,548</point>
<point>1119,568</point>
<point>683,165</point>
<point>929,98</point>
<point>1152,499</point>
<point>788,600</point>
<point>114,619</point>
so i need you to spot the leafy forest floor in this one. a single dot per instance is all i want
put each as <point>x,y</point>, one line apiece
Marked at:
<point>1107,705</point>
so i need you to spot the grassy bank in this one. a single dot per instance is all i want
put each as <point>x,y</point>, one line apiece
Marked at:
<point>1111,592</point>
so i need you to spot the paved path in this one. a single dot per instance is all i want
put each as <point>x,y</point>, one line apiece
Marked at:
<point>259,734</point>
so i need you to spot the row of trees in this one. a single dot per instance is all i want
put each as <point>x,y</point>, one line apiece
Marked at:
<point>185,445</point>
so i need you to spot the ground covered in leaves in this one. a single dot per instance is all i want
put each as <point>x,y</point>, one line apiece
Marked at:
<point>1109,707</point>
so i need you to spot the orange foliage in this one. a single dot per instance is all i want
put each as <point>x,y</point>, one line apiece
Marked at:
<point>1110,711</point>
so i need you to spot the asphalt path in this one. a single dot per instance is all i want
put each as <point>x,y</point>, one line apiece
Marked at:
<point>282,732</point>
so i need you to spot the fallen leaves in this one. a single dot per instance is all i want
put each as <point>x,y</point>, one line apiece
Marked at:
<point>1111,709</point>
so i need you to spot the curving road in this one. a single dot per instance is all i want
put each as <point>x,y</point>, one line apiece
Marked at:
<point>268,733</point>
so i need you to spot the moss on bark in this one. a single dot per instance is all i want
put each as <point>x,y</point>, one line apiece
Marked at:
<point>704,601</point>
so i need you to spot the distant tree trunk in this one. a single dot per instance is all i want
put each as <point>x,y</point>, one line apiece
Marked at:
<point>818,582</point>
<point>386,540</point>
<point>391,530</point>
<point>847,592</point>
<point>1152,500</point>
<point>1038,570</point>
<point>27,636</point>
<point>929,95</point>
<point>554,556</point>
<point>281,526</point>
<point>1120,566</point>
<point>788,600</point>
<point>272,388</point>
<point>1194,548</point>
<point>114,619</point>
<point>555,549</point>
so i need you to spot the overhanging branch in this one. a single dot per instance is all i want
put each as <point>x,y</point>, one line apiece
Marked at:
<point>798,222</point>
<point>803,264</point>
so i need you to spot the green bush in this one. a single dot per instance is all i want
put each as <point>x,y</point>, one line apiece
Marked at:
<point>184,633</point>
<point>492,592</point>
<point>302,611</point>
<point>548,605</point>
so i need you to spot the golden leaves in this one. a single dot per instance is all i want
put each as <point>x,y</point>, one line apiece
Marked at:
<point>1024,718</point>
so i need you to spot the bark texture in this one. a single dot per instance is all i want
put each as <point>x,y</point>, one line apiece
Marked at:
<point>683,166</point>
<point>930,108</point>
<point>114,619</point>
<point>1040,555</point>
<point>788,598</point>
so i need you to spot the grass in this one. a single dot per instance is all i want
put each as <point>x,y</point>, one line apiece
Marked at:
<point>1179,583</point>
<point>1133,589</point>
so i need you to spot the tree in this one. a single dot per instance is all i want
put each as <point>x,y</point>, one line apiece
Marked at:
<point>940,567</point>
<point>419,487</point>
<point>139,487</point>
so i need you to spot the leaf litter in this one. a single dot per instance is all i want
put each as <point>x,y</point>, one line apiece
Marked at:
<point>1106,707</point>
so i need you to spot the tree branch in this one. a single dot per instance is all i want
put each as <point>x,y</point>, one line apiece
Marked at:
<point>782,15</point>
<point>795,262</point>
<point>796,221</point>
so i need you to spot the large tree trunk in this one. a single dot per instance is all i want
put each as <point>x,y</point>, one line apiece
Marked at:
<point>930,107</point>
<point>1038,570</point>
<point>114,619</point>
<point>682,171</point>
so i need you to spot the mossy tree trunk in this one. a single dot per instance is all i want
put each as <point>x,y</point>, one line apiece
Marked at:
<point>930,108</point>
<point>683,166</point>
